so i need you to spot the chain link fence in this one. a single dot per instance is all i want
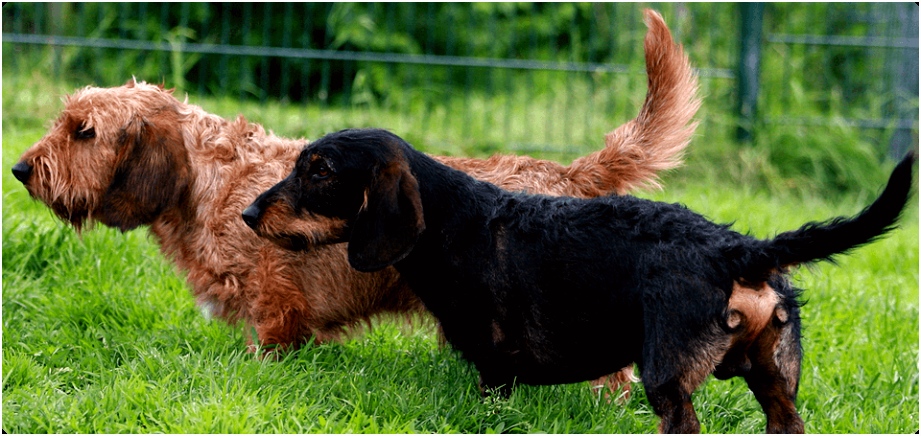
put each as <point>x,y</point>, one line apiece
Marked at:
<point>571,65</point>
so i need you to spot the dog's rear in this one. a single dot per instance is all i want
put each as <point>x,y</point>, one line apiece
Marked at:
<point>768,354</point>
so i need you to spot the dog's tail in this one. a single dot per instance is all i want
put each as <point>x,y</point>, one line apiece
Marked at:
<point>655,140</point>
<point>823,241</point>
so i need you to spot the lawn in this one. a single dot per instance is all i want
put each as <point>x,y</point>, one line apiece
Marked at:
<point>101,334</point>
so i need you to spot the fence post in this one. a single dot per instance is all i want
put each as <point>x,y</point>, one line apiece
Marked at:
<point>906,83</point>
<point>752,15</point>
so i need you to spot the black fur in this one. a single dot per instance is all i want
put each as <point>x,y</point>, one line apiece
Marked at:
<point>532,289</point>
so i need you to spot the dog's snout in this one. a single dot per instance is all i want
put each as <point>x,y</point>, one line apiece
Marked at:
<point>22,171</point>
<point>251,216</point>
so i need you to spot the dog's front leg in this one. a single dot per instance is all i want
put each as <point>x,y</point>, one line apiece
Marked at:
<point>281,324</point>
<point>492,384</point>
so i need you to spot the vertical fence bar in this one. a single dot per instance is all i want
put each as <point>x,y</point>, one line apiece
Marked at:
<point>266,42</point>
<point>204,34</point>
<point>225,39</point>
<point>787,75</point>
<point>548,132</point>
<point>529,96</point>
<point>123,17</point>
<point>428,48</point>
<point>285,64</point>
<point>97,52</point>
<point>749,68</point>
<point>141,34</point>
<point>589,103</point>
<point>246,78</point>
<point>490,82</point>
<point>407,13</point>
<point>163,57</point>
<point>708,86</point>
<point>509,84</point>
<point>450,10</point>
<point>80,12</point>
<point>906,88</point>
<point>185,35</point>
<point>348,74</point>
<point>325,67</point>
<point>572,56</point>
<point>608,105</point>
<point>17,17</point>
<point>308,43</point>
<point>392,70</point>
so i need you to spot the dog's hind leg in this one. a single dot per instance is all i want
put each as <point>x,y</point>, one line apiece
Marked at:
<point>775,372</point>
<point>671,372</point>
<point>670,397</point>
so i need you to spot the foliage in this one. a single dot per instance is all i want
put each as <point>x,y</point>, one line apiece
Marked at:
<point>569,32</point>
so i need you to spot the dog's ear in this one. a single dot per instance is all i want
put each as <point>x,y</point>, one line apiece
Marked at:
<point>152,172</point>
<point>389,222</point>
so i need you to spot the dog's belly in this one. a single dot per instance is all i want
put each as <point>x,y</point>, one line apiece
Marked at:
<point>571,367</point>
<point>576,352</point>
<point>588,368</point>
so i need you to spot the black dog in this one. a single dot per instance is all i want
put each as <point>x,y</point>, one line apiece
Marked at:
<point>530,288</point>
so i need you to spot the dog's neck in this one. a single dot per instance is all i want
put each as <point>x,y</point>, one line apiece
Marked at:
<point>221,152</point>
<point>449,195</point>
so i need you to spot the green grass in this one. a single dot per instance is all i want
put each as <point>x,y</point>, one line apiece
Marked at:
<point>100,333</point>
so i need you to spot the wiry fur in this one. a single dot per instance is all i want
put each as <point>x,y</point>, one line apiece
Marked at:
<point>156,161</point>
<point>544,290</point>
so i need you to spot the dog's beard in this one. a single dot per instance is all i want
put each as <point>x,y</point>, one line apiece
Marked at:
<point>74,211</point>
<point>290,242</point>
<point>306,242</point>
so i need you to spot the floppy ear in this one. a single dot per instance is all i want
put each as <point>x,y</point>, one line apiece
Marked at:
<point>390,221</point>
<point>151,172</point>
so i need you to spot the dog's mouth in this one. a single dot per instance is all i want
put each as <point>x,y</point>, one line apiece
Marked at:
<point>69,206</point>
<point>299,233</point>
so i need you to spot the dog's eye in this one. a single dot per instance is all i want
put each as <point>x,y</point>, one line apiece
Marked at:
<point>84,133</point>
<point>321,171</point>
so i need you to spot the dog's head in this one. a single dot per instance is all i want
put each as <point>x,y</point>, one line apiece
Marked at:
<point>114,155</point>
<point>353,186</point>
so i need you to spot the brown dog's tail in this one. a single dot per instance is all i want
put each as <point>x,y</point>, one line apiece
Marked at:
<point>655,140</point>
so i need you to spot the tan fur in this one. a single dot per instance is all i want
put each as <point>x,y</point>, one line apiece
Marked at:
<point>189,174</point>
<point>750,309</point>
<point>753,306</point>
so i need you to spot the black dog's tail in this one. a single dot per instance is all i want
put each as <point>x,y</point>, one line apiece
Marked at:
<point>822,241</point>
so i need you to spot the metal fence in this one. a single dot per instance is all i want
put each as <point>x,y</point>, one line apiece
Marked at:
<point>577,68</point>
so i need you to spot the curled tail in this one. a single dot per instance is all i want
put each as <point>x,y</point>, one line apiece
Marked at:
<point>655,140</point>
<point>822,241</point>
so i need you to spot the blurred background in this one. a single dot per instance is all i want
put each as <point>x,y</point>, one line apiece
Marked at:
<point>788,88</point>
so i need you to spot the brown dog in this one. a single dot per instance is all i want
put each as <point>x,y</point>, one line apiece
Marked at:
<point>135,155</point>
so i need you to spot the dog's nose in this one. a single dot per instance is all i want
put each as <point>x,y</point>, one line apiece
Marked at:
<point>251,216</point>
<point>22,171</point>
